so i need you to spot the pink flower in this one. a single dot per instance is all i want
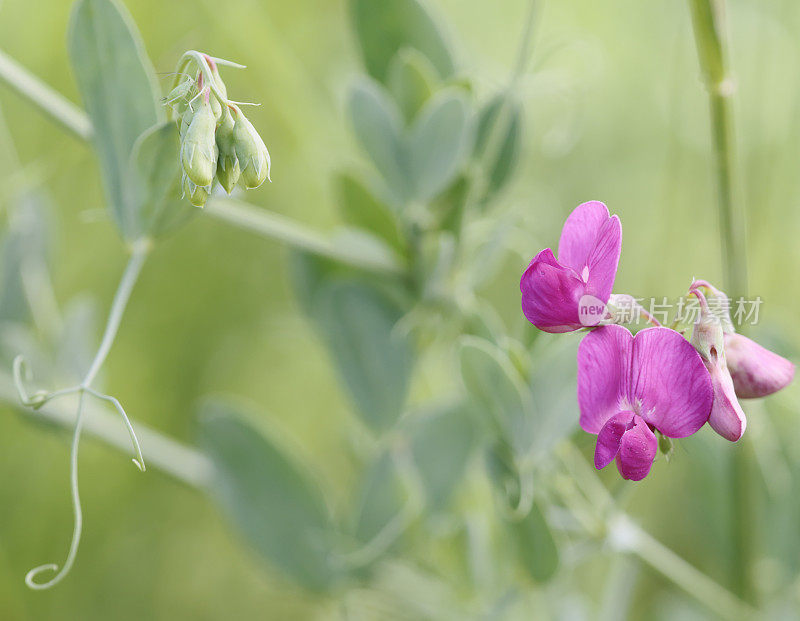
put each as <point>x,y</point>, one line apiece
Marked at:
<point>589,250</point>
<point>628,386</point>
<point>756,371</point>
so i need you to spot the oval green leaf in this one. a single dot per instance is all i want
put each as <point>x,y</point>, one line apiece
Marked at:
<point>536,548</point>
<point>504,127</point>
<point>268,497</point>
<point>498,392</point>
<point>412,80</point>
<point>438,143</point>
<point>119,92</point>
<point>373,360</point>
<point>442,441</point>
<point>384,27</point>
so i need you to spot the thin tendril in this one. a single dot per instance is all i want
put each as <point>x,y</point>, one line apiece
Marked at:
<point>139,459</point>
<point>30,577</point>
<point>39,398</point>
<point>140,249</point>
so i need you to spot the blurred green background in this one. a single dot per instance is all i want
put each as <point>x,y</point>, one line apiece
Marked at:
<point>615,111</point>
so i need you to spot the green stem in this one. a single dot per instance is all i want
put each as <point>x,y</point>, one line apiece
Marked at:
<point>373,256</point>
<point>626,536</point>
<point>123,294</point>
<point>709,31</point>
<point>59,109</point>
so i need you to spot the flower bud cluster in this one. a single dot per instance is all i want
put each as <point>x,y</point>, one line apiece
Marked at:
<point>218,143</point>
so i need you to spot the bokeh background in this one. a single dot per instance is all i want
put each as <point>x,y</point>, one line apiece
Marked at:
<point>614,110</point>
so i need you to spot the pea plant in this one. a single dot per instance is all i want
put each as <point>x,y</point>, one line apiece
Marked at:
<point>464,430</point>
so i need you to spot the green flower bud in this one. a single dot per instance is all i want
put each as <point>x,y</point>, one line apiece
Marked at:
<point>218,81</point>
<point>216,108</point>
<point>197,194</point>
<point>227,165</point>
<point>184,120</point>
<point>198,151</point>
<point>251,152</point>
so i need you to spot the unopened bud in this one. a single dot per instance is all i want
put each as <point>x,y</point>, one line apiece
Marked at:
<point>216,108</point>
<point>198,151</point>
<point>718,303</point>
<point>756,371</point>
<point>197,194</point>
<point>251,152</point>
<point>727,417</point>
<point>184,121</point>
<point>227,165</point>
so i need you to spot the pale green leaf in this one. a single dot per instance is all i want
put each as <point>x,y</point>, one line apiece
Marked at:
<point>382,498</point>
<point>442,441</point>
<point>379,128</point>
<point>23,254</point>
<point>498,392</point>
<point>155,164</point>
<point>373,360</point>
<point>416,164</point>
<point>268,497</point>
<point>383,27</point>
<point>536,549</point>
<point>412,80</point>
<point>554,387</point>
<point>438,143</point>
<point>118,88</point>
<point>498,139</point>
<point>362,209</point>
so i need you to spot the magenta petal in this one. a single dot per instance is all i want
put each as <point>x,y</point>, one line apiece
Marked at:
<point>603,260</point>
<point>755,370</point>
<point>609,439</point>
<point>579,235</point>
<point>604,372</point>
<point>550,294</point>
<point>671,386</point>
<point>727,417</point>
<point>637,451</point>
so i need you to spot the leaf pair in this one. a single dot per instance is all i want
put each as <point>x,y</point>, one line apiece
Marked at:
<point>417,163</point>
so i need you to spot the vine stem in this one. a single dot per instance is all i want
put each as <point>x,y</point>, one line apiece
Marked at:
<point>372,257</point>
<point>139,254</point>
<point>709,30</point>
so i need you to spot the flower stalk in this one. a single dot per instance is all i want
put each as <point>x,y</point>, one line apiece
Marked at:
<point>709,31</point>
